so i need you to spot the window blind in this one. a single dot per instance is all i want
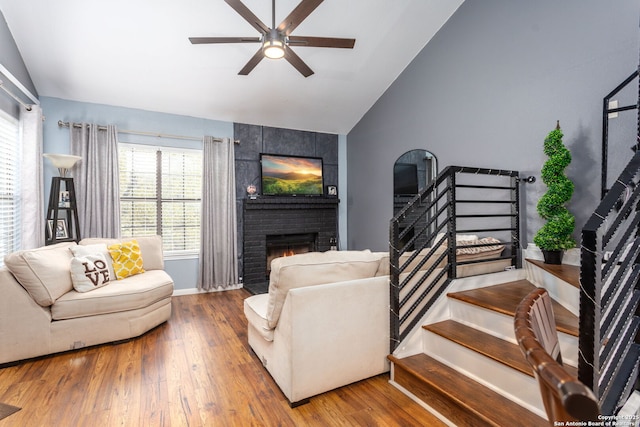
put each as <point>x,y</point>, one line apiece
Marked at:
<point>9,186</point>
<point>160,193</point>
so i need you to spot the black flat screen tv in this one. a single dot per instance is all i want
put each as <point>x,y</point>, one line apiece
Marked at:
<point>405,179</point>
<point>291,175</point>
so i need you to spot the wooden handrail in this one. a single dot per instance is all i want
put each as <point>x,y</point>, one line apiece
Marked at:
<point>565,398</point>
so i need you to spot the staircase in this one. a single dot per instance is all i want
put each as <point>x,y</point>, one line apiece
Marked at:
<point>463,362</point>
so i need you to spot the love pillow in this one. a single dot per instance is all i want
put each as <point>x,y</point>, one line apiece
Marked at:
<point>89,272</point>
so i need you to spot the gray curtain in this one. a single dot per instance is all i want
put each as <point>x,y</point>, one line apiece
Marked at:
<point>96,179</point>
<point>218,266</point>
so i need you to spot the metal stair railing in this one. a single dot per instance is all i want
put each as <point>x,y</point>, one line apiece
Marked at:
<point>609,339</point>
<point>422,237</point>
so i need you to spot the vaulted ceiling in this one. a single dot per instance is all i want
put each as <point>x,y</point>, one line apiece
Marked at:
<point>137,54</point>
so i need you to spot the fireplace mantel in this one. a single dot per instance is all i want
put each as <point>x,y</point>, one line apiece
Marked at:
<point>273,215</point>
<point>296,202</point>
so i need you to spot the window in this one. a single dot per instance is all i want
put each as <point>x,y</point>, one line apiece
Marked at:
<point>9,186</point>
<point>160,193</point>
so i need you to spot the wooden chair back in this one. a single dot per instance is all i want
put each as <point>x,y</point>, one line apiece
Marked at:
<point>565,398</point>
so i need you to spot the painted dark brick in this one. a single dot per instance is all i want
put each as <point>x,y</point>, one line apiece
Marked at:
<point>266,216</point>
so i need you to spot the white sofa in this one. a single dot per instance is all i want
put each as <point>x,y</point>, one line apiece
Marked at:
<point>41,312</point>
<point>324,323</point>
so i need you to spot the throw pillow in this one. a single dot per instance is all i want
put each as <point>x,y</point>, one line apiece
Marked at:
<point>85,250</point>
<point>127,259</point>
<point>465,253</point>
<point>150,246</point>
<point>461,237</point>
<point>89,272</point>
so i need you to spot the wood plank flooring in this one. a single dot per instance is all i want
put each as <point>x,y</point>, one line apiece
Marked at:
<point>195,370</point>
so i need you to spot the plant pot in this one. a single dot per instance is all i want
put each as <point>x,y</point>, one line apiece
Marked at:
<point>552,257</point>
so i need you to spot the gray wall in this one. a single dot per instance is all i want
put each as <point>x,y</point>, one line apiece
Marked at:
<point>487,90</point>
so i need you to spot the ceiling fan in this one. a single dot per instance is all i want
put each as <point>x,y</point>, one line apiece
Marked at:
<point>276,42</point>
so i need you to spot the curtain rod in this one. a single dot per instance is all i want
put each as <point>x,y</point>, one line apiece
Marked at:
<point>143,133</point>
<point>6,74</point>
<point>11,94</point>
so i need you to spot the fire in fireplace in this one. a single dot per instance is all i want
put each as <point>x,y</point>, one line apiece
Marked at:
<point>289,244</point>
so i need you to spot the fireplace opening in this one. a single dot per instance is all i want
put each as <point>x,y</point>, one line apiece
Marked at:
<point>289,244</point>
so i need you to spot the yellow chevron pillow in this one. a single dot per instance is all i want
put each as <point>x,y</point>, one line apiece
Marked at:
<point>127,259</point>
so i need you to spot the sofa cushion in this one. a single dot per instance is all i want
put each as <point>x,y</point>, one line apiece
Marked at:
<point>100,248</point>
<point>255,310</point>
<point>384,268</point>
<point>43,272</point>
<point>127,259</point>
<point>150,247</point>
<point>132,293</point>
<point>315,268</point>
<point>89,272</point>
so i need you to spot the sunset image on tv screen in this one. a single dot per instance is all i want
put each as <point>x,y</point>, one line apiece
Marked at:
<point>283,175</point>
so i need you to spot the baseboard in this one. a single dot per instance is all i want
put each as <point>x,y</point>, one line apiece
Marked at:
<point>194,291</point>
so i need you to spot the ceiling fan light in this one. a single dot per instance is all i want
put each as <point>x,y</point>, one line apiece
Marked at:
<point>273,49</point>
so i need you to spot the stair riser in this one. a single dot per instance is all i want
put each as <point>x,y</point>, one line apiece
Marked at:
<point>564,293</point>
<point>501,326</point>
<point>514,385</point>
<point>441,310</point>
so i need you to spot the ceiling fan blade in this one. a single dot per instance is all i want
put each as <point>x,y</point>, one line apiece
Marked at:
<point>249,16</point>
<point>208,40</point>
<point>298,15</point>
<point>255,60</point>
<point>298,63</point>
<point>321,42</point>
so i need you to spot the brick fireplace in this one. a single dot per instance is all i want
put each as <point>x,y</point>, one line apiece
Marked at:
<point>277,226</point>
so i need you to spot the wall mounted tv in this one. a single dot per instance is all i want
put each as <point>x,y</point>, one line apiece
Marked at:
<point>291,175</point>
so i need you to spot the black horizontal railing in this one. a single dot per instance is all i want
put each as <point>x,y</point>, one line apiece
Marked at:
<point>606,111</point>
<point>609,340</point>
<point>422,238</point>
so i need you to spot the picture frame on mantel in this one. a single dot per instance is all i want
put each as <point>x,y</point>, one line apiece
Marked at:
<point>332,191</point>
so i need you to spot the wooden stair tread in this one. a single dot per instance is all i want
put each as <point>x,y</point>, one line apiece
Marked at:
<point>488,345</point>
<point>505,297</point>
<point>565,272</point>
<point>462,400</point>
<point>502,351</point>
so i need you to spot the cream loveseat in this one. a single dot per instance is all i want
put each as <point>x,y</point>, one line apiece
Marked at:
<point>42,313</point>
<point>324,323</point>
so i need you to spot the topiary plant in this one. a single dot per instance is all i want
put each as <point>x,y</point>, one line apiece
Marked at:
<point>556,233</point>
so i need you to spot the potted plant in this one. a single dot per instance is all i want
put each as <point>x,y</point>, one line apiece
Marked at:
<point>555,235</point>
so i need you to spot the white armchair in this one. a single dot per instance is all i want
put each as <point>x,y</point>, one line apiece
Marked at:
<point>324,323</point>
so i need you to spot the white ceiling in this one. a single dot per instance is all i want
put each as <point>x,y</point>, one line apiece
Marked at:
<point>136,53</point>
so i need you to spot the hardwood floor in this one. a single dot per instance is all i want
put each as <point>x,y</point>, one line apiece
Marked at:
<point>195,370</point>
